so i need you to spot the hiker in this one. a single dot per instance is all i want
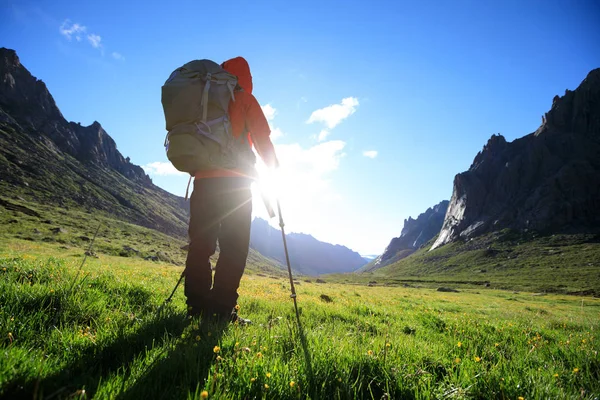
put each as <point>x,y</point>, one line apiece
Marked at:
<point>221,207</point>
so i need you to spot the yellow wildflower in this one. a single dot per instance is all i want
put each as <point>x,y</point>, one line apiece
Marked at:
<point>387,345</point>
<point>521,398</point>
<point>370,352</point>
<point>197,338</point>
<point>266,386</point>
<point>216,349</point>
<point>252,379</point>
<point>292,384</point>
<point>258,355</point>
<point>237,307</point>
<point>477,359</point>
<point>457,360</point>
<point>268,374</point>
<point>459,344</point>
<point>575,370</point>
<point>496,344</point>
<point>556,375</point>
<point>204,394</point>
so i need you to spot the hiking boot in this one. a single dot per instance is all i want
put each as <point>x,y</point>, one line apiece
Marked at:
<point>236,319</point>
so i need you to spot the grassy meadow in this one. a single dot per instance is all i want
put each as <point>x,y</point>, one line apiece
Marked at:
<point>508,260</point>
<point>99,335</point>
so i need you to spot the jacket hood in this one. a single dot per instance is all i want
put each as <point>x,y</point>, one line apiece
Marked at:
<point>239,67</point>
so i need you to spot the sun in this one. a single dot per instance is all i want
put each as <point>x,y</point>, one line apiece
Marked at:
<point>268,187</point>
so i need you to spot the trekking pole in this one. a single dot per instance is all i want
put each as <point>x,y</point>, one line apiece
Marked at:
<point>287,260</point>
<point>168,300</point>
<point>303,340</point>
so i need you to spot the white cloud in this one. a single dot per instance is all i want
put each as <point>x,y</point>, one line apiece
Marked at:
<point>78,31</point>
<point>332,115</point>
<point>161,169</point>
<point>370,153</point>
<point>323,135</point>
<point>117,56</point>
<point>276,133</point>
<point>70,30</point>
<point>95,40</point>
<point>269,112</point>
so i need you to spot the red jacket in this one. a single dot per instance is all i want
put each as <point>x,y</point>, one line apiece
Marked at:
<point>246,116</point>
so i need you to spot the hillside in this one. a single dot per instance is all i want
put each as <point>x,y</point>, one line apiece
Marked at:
<point>45,159</point>
<point>509,260</point>
<point>59,179</point>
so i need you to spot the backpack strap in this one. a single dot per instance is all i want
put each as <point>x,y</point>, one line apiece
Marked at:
<point>204,100</point>
<point>231,85</point>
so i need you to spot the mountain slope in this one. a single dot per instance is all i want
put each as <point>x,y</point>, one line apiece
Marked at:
<point>547,181</point>
<point>307,255</point>
<point>415,233</point>
<point>62,174</point>
<point>45,159</point>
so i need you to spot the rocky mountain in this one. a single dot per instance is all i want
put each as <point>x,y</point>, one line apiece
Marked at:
<point>547,181</point>
<point>415,233</point>
<point>307,255</point>
<point>46,159</point>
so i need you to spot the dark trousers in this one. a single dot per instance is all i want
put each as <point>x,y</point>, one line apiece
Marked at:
<point>220,210</point>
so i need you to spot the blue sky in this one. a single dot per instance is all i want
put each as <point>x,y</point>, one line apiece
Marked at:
<point>376,106</point>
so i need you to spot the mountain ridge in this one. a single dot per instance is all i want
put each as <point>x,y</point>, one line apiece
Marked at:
<point>415,233</point>
<point>45,158</point>
<point>546,181</point>
<point>307,254</point>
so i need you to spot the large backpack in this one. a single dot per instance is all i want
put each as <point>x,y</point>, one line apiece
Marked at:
<point>195,100</point>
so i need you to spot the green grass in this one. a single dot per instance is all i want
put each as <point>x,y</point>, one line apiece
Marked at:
<point>560,263</point>
<point>105,337</point>
<point>32,169</point>
<point>76,229</point>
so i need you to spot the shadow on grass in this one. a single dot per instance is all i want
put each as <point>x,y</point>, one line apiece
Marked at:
<point>180,370</point>
<point>95,363</point>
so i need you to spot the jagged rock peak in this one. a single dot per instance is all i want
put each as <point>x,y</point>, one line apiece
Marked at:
<point>415,233</point>
<point>576,111</point>
<point>547,181</point>
<point>26,101</point>
<point>494,146</point>
<point>22,95</point>
<point>9,57</point>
